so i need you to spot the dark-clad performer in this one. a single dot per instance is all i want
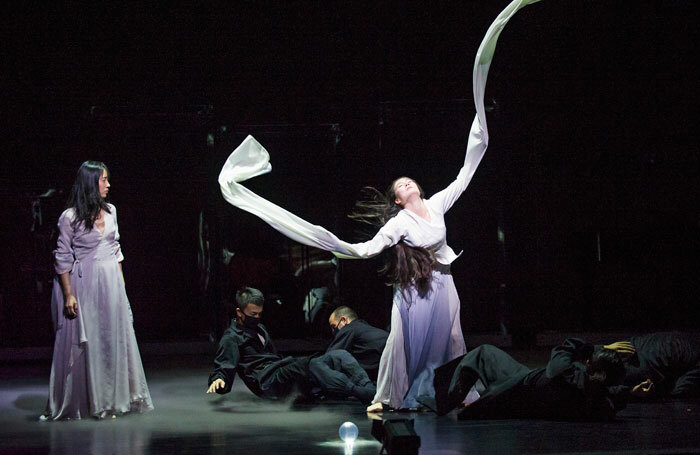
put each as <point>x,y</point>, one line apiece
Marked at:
<point>246,349</point>
<point>360,339</point>
<point>665,364</point>
<point>575,384</point>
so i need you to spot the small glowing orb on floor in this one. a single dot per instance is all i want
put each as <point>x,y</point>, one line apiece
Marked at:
<point>348,432</point>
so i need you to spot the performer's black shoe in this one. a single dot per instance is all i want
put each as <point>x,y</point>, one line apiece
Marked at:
<point>428,402</point>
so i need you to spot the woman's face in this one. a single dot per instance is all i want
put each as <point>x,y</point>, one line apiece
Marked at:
<point>104,184</point>
<point>405,189</point>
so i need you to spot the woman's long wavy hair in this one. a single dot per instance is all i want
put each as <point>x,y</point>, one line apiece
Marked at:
<point>404,266</point>
<point>85,196</point>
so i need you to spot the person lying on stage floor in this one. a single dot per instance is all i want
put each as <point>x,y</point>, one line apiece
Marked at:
<point>576,384</point>
<point>246,349</point>
<point>663,364</point>
<point>365,342</point>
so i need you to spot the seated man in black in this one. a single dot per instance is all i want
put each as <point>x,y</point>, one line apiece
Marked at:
<point>364,342</point>
<point>246,349</point>
<point>664,364</point>
<point>575,384</point>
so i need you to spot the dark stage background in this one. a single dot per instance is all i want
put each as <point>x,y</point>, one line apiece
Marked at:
<point>582,216</point>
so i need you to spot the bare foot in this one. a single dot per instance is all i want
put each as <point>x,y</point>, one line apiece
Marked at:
<point>375,407</point>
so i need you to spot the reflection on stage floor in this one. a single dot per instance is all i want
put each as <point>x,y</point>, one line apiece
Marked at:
<point>188,421</point>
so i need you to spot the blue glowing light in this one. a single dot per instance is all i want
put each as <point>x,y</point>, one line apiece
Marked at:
<point>348,432</point>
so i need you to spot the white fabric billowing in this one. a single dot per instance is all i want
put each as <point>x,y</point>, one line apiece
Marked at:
<point>250,159</point>
<point>425,331</point>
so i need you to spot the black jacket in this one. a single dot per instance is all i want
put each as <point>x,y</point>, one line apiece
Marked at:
<point>364,342</point>
<point>560,390</point>
<point>670,359</point>
<point>241,351</point>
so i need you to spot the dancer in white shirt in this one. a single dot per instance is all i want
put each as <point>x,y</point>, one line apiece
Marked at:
<point>425,312</point>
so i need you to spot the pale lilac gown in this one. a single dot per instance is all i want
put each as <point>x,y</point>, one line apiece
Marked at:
<point>96,369</point>
<point>425,331</point>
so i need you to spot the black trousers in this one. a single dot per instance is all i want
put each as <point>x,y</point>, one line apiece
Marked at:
<point>338,374</point>
<point>292,376</point>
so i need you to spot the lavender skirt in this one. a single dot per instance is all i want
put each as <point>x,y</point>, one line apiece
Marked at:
<point>425,333</point>
<point>96,369</point>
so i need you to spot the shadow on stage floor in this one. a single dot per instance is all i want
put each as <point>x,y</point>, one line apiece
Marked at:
<point>186,421</point>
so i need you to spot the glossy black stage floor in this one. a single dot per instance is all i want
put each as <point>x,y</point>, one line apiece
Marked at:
<point>186,421</point>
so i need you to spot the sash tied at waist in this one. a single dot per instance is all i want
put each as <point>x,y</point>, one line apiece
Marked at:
<point>441,268</point>
<point>77,268</point>
<point>77,263</point>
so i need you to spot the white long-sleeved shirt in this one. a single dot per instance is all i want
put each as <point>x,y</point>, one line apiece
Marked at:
<point>417,231</point>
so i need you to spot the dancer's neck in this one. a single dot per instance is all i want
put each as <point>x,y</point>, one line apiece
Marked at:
<point>418,207</point>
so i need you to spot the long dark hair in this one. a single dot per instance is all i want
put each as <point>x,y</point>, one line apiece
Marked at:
<point>604,395</point>
<point>606,368</point>
<point>85,196</point>
<point>404,265</point>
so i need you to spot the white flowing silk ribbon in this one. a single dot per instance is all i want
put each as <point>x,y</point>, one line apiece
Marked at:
<point>250,159</point>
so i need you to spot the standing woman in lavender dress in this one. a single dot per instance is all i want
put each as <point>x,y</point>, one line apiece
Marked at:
<point>96,369</point>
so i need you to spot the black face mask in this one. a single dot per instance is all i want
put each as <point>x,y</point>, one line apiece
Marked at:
<point>250,322</point>
<point>335,329</point>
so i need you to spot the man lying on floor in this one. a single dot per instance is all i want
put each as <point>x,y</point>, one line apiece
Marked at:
<point>246,349</point>
<point>575,384</point>
<point>663,364</point>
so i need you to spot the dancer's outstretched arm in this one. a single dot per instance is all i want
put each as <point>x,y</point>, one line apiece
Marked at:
<point>251,159</point>
<point>226,363</point>
<point>476,148</point>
